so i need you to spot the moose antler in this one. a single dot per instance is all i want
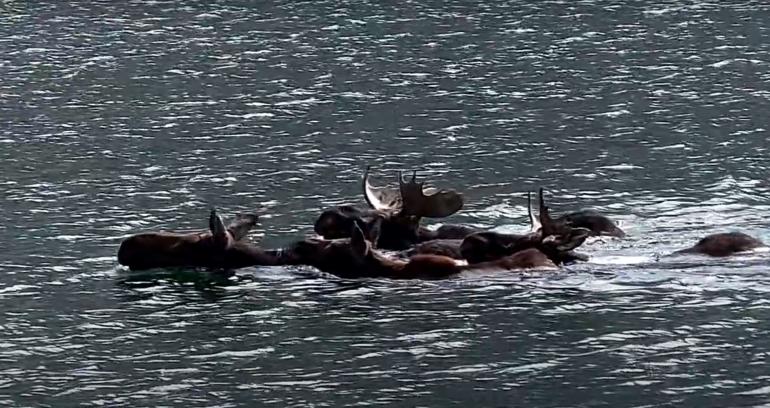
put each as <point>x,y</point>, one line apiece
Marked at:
<point>380,198</point>
<point>412,198</point>
<point>432,203</point>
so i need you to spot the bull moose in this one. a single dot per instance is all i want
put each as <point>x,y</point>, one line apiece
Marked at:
<point>399,211</point>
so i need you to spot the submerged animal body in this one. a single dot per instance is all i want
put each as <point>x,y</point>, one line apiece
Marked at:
<point>392,232</point>
<point>356,258</point>
<point>220,247</point>
<point>445,232</point>
<point>723,244</point>
<point>488,246</point>
<point>594,221</point>
<point>481,246</point>
<point>444,247</point>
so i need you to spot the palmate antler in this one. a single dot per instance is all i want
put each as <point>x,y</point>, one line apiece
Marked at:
<point>412,198</point>
<point>432,203</point>
<point>381,198</point>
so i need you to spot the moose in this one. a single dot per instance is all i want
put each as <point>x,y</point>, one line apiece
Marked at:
<point>220,247</point>
<point>488,245</point>
<point>723,244</point>
<point>224,247</point>
<point>399,212</point>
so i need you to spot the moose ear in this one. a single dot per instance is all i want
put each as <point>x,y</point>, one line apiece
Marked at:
<point>219,233</point>
<point>358,241</point>
<point>216,225</point>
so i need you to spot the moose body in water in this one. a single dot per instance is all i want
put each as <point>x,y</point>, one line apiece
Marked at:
<point>355,257</point>
<point>594,221</point>
<point>723,244</point>
<point>220,247</point>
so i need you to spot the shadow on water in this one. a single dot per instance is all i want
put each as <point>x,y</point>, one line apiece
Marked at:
<point>224,281</point>
<point>209,282</point>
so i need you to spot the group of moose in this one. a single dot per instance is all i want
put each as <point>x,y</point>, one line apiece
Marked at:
<point>386,240</point>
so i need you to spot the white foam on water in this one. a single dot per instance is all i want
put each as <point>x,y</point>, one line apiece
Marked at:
<point>621,260</point>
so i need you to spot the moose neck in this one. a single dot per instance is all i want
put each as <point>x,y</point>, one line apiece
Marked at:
<point>399,232</point>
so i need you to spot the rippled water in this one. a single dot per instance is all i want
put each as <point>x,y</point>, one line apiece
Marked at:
<point>123,118</point>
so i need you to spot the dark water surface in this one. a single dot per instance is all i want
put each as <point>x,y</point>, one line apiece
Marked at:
<point>119,118</point>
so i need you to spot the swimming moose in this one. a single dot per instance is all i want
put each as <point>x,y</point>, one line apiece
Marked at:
<point>220,247</point>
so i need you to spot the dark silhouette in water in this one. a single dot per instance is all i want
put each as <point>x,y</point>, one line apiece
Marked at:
<point>488,246</point>
<point>453,247</point>
<point>594,221</point>
<point>355,257</point>
<point>220,247</point>
<point>723,244</point>
<point>337,222</point>
<point>402,209</point>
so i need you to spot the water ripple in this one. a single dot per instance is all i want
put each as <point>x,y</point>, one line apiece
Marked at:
<point>123,118</point>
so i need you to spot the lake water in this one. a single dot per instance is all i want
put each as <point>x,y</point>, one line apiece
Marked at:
<point>121,117</point>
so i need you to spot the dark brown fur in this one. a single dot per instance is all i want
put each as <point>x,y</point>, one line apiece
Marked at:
<point>399,212</point>
<point>594,221</point>
<point>489,245</point>
<point>210,249</point>
<point>723,244</point>
<point>397,231</point>
<point>524,259</point>
<point>444,247</point>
